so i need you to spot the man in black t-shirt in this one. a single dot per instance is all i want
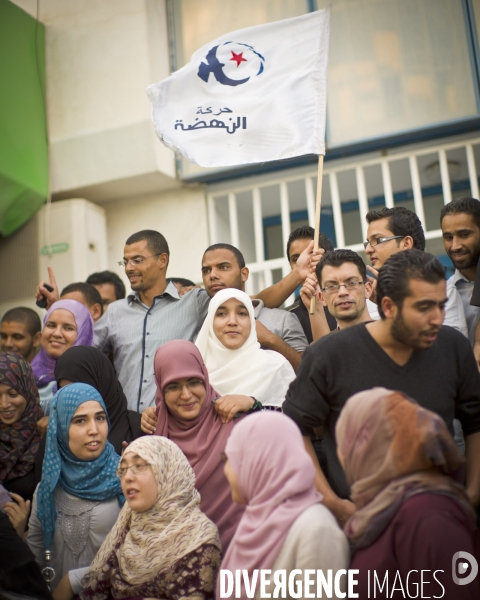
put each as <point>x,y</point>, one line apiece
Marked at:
<point>407,350</point>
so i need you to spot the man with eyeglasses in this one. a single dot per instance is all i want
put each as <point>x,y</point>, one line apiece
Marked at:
<point>344,287</point>
<point>153,314</point>
<point>344,290</point>
<point>406,350</point>
<point>390,230</point>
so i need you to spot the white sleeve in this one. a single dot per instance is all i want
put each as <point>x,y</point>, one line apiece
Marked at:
<point>454,313</point>
<point>76,576</point>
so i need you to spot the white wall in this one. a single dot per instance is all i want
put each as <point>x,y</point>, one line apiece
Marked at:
<point>181,216</point>
<point>100,56</point>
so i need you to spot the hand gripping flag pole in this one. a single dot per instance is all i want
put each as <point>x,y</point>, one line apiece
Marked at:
<point>318,207</point>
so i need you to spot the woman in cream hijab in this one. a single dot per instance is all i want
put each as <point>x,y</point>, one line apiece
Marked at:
<point>162,545</point>
<point>235,362</point>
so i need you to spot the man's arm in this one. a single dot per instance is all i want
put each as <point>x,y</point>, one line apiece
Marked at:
<point>276,294</point>
<point>342,509</point>
<point>307,404</point>
<point>467,411</point>
<point>472,454</point>
<point>269,340</point>
<point>318,321</point>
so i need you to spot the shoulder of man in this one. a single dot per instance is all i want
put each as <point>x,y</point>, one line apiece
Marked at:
<point>338,343</point>
<point>294,307</point>
<point>451,337</point>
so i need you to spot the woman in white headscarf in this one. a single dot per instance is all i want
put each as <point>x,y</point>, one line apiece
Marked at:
<point>235,362</point>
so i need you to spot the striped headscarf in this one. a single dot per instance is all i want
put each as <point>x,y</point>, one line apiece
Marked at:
<point>94,480</point>
<point>151,542</point>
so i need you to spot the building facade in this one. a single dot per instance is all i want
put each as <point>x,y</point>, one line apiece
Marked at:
<point>403,129</point>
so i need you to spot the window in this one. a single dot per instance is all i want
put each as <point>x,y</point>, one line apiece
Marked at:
<point>197,22</point>
<point>395,66</point>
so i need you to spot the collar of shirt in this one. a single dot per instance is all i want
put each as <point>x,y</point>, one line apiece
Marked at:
<point>257,307</point>
<point>171,290</point>
<point>458,277</point>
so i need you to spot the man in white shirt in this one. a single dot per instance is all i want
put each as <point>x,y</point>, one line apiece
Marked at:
<point>460,222</point>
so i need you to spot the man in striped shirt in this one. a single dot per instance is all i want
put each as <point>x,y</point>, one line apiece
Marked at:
<point>153,314</point>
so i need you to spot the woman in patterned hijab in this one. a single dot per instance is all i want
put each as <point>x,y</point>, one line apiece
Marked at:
<point>162,545</point>
<point>19,412</point>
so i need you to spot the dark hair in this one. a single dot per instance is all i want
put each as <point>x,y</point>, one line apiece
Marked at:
<point>469,206</point>
<point>397,271</point>
<point>235,251</point>
<point>90,293</point>
<point>180,281</point>
<point>103,277</point>
<point>156,243</point>
<point>337,258</point>
<point>22,314</point>
<point>401,221</point>
<point>308,233</point>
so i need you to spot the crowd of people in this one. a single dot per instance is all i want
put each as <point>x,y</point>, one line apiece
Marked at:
<point>150,440</point>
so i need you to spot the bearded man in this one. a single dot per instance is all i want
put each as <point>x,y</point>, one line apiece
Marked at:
<point>460,222</point>
<point>408,350</point>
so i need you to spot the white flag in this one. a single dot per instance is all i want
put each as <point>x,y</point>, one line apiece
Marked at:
<point>254,95</point>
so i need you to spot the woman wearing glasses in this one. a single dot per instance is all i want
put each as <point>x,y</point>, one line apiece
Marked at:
<point>162,545</point>
<point>187,415</point>
<point>79,497</point>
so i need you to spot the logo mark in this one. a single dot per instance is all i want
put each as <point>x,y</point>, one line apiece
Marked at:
<point>232,63</point>
<point>460,568</point>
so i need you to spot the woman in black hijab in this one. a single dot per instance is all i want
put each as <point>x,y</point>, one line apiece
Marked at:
<point>85,364</point>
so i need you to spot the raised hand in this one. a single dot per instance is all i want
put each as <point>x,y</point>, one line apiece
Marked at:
<point>52,296</point>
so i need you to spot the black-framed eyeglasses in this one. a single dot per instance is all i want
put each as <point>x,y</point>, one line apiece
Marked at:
<point>381,240</point>
<point>333,288</point>
<point>138,260</point>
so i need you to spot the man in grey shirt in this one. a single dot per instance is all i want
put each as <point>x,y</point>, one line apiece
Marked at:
<point>135,327</point>
<point>223,266</point>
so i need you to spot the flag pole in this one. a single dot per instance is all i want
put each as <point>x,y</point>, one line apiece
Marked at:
<point>318,206</point>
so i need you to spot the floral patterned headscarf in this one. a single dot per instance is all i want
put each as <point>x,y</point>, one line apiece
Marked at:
<point>19,441</point>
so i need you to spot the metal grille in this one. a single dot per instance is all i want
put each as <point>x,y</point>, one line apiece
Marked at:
<point>422,180</point>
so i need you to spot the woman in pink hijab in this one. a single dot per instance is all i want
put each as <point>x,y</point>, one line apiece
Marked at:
<point>284,526</point>
<point>412,515</point>
<point>186,415</point>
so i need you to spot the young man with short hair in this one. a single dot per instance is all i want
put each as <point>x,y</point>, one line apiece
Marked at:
<point>21,332</point>
<point>390,230</point>
<point>322,322</point>
<point>86,294</point>
<point>109,285</point>
<point>223,266</point>
<point>409,350</point>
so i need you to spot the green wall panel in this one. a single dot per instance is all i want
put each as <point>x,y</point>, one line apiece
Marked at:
<point>23,137</point>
